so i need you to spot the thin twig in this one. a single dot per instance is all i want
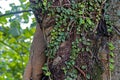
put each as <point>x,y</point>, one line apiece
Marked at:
<point>9,46</point>
<point>72,26</point>
<point>116,30</point>
<point>81,71</point>
<point>17,12</point>
<point>104,2</point>
<point>96,27</point>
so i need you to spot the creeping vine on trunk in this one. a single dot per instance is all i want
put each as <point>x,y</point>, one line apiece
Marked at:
<point>73,36</point>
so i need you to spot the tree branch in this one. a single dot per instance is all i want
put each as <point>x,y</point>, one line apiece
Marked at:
<point>17,12</point>
<point>9,46</point>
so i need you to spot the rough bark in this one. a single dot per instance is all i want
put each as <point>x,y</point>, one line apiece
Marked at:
<point>114,11</point>
<point>37,58</point>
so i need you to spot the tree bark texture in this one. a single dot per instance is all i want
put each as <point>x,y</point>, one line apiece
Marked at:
<point>37,57</point>
<point>114,12</point>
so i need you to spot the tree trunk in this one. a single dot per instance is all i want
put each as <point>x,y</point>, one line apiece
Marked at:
<point>37,57</point>
<point>88,64</point>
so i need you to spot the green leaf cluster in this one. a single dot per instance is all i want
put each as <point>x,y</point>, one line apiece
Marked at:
<point>67,20</point>
<point>112,55</point>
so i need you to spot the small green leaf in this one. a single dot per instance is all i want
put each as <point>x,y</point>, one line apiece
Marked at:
<point>44,68</point>
<point>111,60</point>
<point>58,9</point>
<point>87,49</point>
<point>1,35</point>
<point>111,54</point>
<point>88,21</point>
<point>80,12</point>
<point>45,2</point>
<point>84,67</point>
<point>15,24</point>
<point>81,21</point>
<point>88,76</point>
<point>111,46</point>
<point>3,20</point>
<point>83,49</point>
<point>82,6</point>
<point>25,17</point>
<point>12,40</point>
<point>109,30</point>
<point>48,74</point>
<point>14,32</point>
<point>22,0</point>
<point>111,66</point>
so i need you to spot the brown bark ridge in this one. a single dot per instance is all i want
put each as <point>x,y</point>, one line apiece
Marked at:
<point>37,58</point>
<point>114,12</point>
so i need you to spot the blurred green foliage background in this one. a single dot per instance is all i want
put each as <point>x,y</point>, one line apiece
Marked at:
<point>16,33</point>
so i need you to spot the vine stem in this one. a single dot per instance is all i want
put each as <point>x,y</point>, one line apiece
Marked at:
<point>81,71</point>
<point>116,30</point>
